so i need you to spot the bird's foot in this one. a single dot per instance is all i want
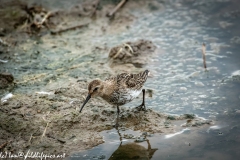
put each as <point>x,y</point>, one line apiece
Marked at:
<point>121,113</point>
<point>116,125</point>
<point>141,107</point>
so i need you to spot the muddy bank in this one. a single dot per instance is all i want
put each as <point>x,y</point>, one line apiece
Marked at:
<point>51,122</point>
<point>137,53</point>
<point>52,59</point>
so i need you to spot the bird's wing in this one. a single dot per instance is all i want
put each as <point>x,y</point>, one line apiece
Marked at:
<point>124,79</point>
<point>133,81</point>
<point>128,80</point>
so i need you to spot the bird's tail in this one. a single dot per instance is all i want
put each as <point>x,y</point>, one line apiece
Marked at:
<point>145,74</point>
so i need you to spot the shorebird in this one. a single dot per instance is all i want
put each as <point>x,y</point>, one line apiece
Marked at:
<point>119,90</point>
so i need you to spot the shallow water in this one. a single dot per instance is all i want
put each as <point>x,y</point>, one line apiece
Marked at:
<point>216,142</point>
<point>180,83</point>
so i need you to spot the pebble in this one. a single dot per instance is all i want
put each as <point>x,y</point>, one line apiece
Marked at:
<point>5,98</point>
<point>19,105</point>
<point>183,88</point>
<point>220,133</point>
<point>95,109</point>
<point>202,96</point>
<point>194,74</point>
<point>140,139</point>
<point>144,133</point>
<point>200,84</point>
<point>213,103</point>
<point>102,157</point>
<point>128,136</point>
<point>238,111</point>
<point>171,117</point>
<point>190,116</point>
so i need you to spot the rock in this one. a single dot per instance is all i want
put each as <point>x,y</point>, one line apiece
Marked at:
<point>95,109</point>
<point>183,89</point>
<point>102,157</point>
<point>123,129</point>
<point>190,116</point>
<point>220,133</point>
<point>6,97</point>
<point>236,76</point>
<point>128,136</point>
<point>200,84</point>
<point>108,112</point>
<point>171,117</point>
<point>18,105</point>
<point>5,80</point>
<point>144,133</point>
<point>197,123</point>
<point>132,52</point>
<point>238,111</point>
<point>140,139</point>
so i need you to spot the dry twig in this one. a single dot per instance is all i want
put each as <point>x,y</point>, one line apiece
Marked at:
<point>3,145</point>
<point>204,55</point>
<point>39,24</point>
<point>60,140</point>
<point>30,138</point>
<point>110,14</point>
<point>4,43</point>
<point>44,132</point>
<point>70,28</point>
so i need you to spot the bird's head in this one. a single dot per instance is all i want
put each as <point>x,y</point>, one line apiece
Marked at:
<point>94,90</point>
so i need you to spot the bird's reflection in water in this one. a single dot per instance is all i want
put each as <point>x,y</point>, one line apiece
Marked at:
<point>132,150</point>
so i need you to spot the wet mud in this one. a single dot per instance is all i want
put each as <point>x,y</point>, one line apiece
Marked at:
<point>137,53</point>
<point>51,70</point>
<point>51,122</point>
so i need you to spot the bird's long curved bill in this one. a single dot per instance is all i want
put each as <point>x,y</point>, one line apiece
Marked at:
<point>88,97</point>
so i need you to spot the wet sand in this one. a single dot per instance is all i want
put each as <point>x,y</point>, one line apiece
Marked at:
<point>53,65</point>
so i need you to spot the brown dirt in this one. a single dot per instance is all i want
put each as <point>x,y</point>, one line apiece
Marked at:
<point>51,121</point>
<point>24,119</point>
<point>137,53</point>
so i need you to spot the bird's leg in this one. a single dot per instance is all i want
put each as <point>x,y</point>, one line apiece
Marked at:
<point>142,106</point>
<point>118,111</point>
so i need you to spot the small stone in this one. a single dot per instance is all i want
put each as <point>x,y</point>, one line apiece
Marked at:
<point>200,84</point>
<point>95,109</point>
<point>220,133</point>
<point>238,111</point>
<point>213,103</point>
<point>51,97</point>
<point>123,129</point>
<point>102,157</point>
<point>107,112</point>
<point>171,117</point>
<point>19,105</point>
<point>128,136</point>
<point>140,139</point>
<point>150,135</point>
<point>5,80</point>
<point>194,74</point>
<point>54,106</point>
<point>144,133</point>
<point>189,116</point>
<point>182,88</point>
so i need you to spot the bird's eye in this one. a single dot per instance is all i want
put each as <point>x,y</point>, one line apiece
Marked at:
<point>95,89</point>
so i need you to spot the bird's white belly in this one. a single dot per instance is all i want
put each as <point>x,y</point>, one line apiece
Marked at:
<point>129,96</point>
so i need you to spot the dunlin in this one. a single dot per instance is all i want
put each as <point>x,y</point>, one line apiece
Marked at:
<point>119,90</point>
